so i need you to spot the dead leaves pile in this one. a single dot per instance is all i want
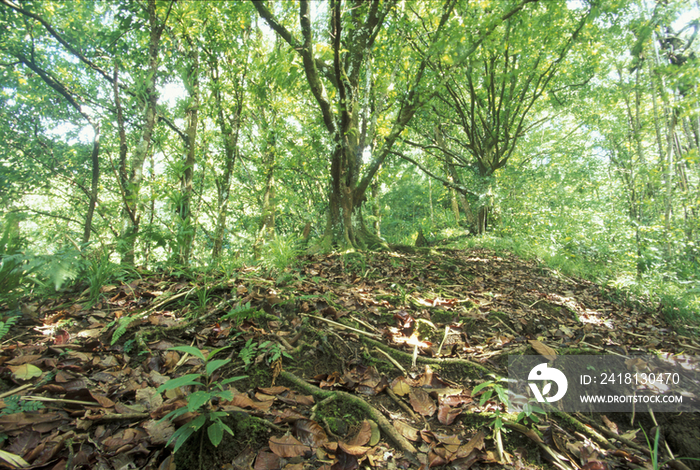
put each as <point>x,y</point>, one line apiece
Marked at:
<point>99,405</point>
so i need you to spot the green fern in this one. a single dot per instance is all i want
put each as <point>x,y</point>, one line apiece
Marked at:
<point>122,325</point>
<point>14,404</point>
<point>6,325</point>
<point>244,312</point>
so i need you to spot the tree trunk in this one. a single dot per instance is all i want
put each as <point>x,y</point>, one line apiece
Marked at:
<point>131,184</point>
<point>187,228</point>
<point>229,128</point>
<point>482,219</point>
<point>359,26</point>
<point>94,184</point>
<point>266,227</point>
<point>223,182</point>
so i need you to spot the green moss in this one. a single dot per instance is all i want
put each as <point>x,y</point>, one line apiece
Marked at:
<point>340,416</point>
<point>442,316</point>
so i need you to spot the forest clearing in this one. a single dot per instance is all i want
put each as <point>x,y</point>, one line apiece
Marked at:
<point>321,234</point>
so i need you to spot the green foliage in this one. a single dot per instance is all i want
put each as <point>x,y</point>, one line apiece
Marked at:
<point>15,267</point>
<point>208,389</point>
<point>499,393</point>
<point>15,404</point>
<point>271,351</point>
<point>280,252</point>
<point>7,324</point>
<point>530,412</point>
<point>99,271</point>
<point>122,325</point>
<point>248,352</point>
<point>655,451</point>
<point>243,312</point>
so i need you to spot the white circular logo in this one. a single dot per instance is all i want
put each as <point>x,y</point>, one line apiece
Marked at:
<point>542,372</point>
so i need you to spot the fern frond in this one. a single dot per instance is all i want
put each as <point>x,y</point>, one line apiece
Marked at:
<point>6,325</point>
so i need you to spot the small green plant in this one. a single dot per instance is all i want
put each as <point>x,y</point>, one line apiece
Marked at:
<point>654,451</point>
<point>129,346</point>
<point>14,404</point>
<point>6,325</point>
<point>529,413</point>
<point>494,387</point>
<point>248,353</point>
<point>243,312</point>
<point>280,252</point>
<point>208,390</point>
<point>15,265</point>
<point>98,273</point>
<point>122,325</point>
<point>202,298</point>
<point>272,352</point>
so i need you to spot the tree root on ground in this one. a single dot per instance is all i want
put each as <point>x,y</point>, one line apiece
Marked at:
<point>372,412</point>
<point>428,360</point>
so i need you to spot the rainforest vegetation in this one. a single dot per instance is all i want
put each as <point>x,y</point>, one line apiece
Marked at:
<point>227,169</point>
<point>202,134</point>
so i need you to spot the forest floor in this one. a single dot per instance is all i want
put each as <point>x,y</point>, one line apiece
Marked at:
<point>361,359</point>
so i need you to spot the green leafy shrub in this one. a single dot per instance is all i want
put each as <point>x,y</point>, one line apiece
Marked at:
<point>271,351</point>
<point>98,273</point>
<point>15,266</point>
<point>208,390</point>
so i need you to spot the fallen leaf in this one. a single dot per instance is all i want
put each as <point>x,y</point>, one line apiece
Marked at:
<point>542,349</point>
<point>407,431</point>
<point>288,446</point>
<point>25,371</point>
<point>421,402</point>
<point>310,432</point>
<point>363,435</point>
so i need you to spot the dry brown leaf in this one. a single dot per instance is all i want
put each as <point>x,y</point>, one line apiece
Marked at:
<point>447,414</point>
<point>363,435</point>
<point>310,433</point>
<point>542,349</point>
<point>27,358</point>
<point>288,446</point>
<point>267,461</point>
<point>421,402</point>
<point>475,443</point>
<point>356,451</point>
<point>407,431</point>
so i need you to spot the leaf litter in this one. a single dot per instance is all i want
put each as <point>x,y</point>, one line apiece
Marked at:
<point>408,335</point>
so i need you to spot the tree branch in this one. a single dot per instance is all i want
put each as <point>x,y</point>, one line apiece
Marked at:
<point>58,37</point>
<point>445,182</point>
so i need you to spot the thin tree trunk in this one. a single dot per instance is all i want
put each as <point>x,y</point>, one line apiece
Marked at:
<point>131,189</point>
<point>95,181</point>
<point>230,129</point>
<point>187,228</point>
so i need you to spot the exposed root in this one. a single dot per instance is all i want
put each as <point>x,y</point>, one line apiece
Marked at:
<point>372,412</point>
